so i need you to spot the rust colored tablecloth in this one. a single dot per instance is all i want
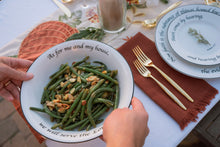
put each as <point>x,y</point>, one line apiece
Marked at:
<point>198,89</point>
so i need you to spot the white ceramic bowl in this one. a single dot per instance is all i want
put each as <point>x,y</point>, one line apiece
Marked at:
<point>49,62</point>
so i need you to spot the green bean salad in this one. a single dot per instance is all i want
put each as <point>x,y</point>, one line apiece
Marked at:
<point>77,95</point>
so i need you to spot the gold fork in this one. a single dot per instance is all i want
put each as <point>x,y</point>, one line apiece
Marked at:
<point>146,73</point>
<point>148,62</point>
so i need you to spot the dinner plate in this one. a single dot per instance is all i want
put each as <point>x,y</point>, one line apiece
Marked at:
<point>194,36</point>
<point>171,57</point>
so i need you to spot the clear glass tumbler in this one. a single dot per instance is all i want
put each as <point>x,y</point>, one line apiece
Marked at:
<point>112,15</point>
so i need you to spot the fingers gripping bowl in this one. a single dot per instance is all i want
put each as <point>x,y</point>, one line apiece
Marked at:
<point>49,63</point>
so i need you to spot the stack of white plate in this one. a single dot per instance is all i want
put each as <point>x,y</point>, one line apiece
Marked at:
<point>195,55</point>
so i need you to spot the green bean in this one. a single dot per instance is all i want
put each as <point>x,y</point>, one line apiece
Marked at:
<point>78,108</point>
<point>100,82</point>
<point>102,89</point>
<point>89,104</point>
<point>116,97</point>
<point>95,116</point>
<point>101,34</point>
<point>105,67</point>
<point>83,108</point>
<point>62,66</point>
<point>74,88</point>
<point>113,73</point>
<point>77,89</point>
<point>79,62</point>
<point>57,75</point>
<point>56,125</point>
<point>43,98</point>
<point>86,85</point>
<point>56,84</point>
<point>98,73</point>
<point>106,84</point>
<point>88,75</point>
<point>66,102</point>
<point>71,127</point>
<point>83,125</point>
<point>81,122</point>
<point>72,107</point>
<point>47,95</point>
<point>89,99</point>
<point>50,113</point>
<point>64,87</point>
<point>81,77</point>
<point>97,122</point>
<point>37,109</point>
<point>98,114</point>
<point>107,102</point>
<point>87,122</point>
<point>77,84</point>
<point>52,95</point>
<point>93,67</point>
<point>80,35</point>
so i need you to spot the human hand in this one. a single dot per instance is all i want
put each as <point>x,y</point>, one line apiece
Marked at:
<point>125,127</point>
<point>10,78</point>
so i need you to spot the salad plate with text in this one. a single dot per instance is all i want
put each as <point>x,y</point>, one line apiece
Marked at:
<point>173,36</point>
<point>194,37</point>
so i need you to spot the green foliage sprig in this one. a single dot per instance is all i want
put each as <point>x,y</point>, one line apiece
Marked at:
<point>165,1</point>
<point>199,36</point>
<point>88,33</point>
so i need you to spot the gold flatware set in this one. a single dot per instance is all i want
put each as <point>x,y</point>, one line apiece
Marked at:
<point>143,62</point>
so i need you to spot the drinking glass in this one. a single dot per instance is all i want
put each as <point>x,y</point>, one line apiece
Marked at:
<point>112,15</point>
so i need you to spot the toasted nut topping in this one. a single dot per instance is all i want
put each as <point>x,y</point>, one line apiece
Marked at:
<point>57,96</point>
<point>50,104</point>
<point>73,75</point>
<point>51,108</point>
<point>104,72</point>
<point>79,79</point>
<point>56,101</point>
<point>69,86</point>
<point>66,76</point>
<point>92,78</point>
<point>72,80</point>
<point>72,90</point>
<point>66,97</point>
<point>62,84</point>
<point>58,105</point>
<point>83,102</point>
<point>61,110</point>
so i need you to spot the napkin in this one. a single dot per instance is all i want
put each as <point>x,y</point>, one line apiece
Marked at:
<point>198,89</point>
<point>40,39</point>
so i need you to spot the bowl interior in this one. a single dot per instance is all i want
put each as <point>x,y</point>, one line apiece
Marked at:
<point>49,62</point>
